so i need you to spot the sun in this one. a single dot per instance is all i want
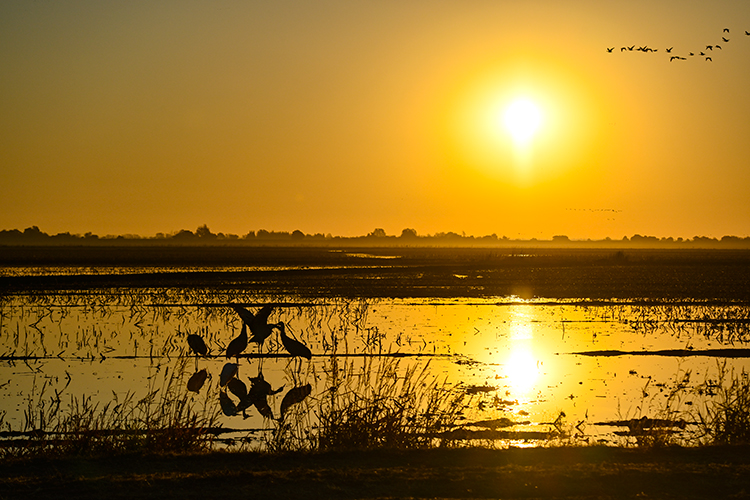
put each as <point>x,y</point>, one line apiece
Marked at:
<point>522,119</point>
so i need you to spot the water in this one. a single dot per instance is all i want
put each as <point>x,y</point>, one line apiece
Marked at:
<point>517,359</point>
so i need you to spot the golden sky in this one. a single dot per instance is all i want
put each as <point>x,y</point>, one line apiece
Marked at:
<point>338,117</point>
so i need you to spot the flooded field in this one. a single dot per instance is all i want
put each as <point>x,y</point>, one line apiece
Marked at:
<point>522,370</point>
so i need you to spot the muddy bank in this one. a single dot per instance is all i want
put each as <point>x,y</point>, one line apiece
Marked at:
<point>590,473</point>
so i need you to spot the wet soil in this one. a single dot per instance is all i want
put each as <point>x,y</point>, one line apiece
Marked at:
<point>560,473</point>
<point>413,272</point>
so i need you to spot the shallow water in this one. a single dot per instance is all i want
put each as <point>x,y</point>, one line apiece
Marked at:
<point>516,358</point>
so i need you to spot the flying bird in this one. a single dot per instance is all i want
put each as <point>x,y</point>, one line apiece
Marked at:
<point>258,322</point>
<point>709,59</point>
<point>725,39</point>
<point>709,47</point>
<point>669,50</point>
<point>293,346</point>
<point>747,33</point>
<point>610,49</point>
<point>717,46</point>
<point>726,30</point>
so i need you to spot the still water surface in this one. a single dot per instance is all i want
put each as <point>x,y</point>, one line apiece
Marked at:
<point>518,359</point>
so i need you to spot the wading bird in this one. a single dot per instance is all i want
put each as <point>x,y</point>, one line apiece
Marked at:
<point>197,344</point>
<point>238,344</point>
<point>293,346</point>
<point>258,323</point>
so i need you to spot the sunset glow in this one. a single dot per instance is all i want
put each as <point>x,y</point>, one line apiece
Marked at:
<point>348,117</point>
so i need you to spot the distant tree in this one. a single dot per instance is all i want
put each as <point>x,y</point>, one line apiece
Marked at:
<point>298,235</point>
<point>10,235</point>
<point>66,236</point>
<point>377,233</point>
<point>204,232</point>
<point>408,234</point>
<point>262,233</point>
<point>560,238</point>
<point>450,235</point>
<point>250,235</point>
<point>33,233</point>
<point>183,234</point>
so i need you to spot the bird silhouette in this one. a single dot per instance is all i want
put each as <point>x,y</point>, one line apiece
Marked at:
<point>293,346</point>
<point>610,49</point>
<point>294,396</point>
<point>717,46</point>
<point>228,372</point>
<point>747,33</point>
<point>258,322</point>
<point>725,39</point>
<point>238,344</point>
<point>197,380</point>
<point>258,396</point>
<point>709,59</point>
<point>669,50</point>
<point>709,47</point>
<point>227,405</point>
<point>197,344</point>
<point>726,30</point>
<point>237,387</point>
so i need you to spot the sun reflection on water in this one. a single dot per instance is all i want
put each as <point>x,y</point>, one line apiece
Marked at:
<point>521,366</point>
<point>522,369</point>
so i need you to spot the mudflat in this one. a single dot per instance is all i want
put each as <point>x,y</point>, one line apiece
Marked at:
<point>559,473</point>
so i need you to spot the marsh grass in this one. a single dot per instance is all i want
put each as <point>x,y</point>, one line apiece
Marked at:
<point>380,406</point>
<point>166,419</point>
<point>725,419</point>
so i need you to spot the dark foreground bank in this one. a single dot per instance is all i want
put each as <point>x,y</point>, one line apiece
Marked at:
<point>561,473</point>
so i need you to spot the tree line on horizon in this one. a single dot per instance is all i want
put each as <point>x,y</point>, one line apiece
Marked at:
<point>203,235</point>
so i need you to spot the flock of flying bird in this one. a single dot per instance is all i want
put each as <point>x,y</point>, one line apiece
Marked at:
<point>259,390</point>
<point>710,49</point>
